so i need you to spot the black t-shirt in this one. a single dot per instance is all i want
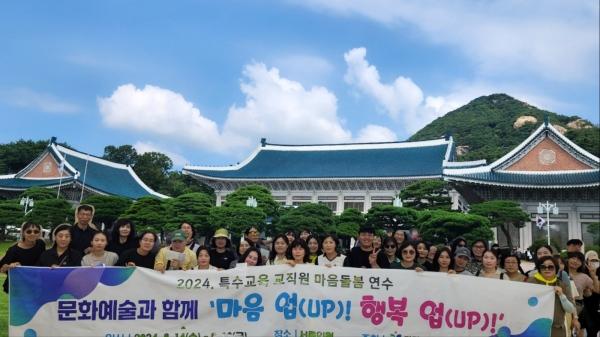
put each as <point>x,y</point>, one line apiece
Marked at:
<point>131,255</point>
<point>359,258</point>
<point>81,239</point>
<point>120,248</point>
<point>222,260</point>
<point>70,258</point>
<point>26,257</point>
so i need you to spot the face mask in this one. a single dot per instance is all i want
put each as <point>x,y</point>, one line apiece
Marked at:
<point>595,265</point>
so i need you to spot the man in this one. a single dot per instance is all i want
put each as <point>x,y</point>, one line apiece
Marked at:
<point>252,236</point>
<point>177,256</point>
<point>221,253</point>
<point>462,257</point>
<point>574,246</point>
<point>83,231</point>
<point>363,255</point>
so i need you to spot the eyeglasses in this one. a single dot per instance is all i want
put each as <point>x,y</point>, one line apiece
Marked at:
<point>390,246</point>
<point>408,252</point>
<point>547,267</point>
<point>32,232</point>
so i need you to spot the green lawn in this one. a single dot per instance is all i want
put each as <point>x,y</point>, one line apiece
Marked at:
<point>3,297</point>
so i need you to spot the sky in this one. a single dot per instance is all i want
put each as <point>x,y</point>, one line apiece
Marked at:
<point>203,81</point>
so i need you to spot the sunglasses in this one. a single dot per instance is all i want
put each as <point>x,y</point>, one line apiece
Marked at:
<point>408,252</point>
<point>390,246</point>
<point>547,267</point>
<point>32,232</point>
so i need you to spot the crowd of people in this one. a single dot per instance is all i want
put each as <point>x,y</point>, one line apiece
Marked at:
<point>574,276</point>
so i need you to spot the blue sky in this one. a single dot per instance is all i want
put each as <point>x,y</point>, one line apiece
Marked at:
<point>204,81</point>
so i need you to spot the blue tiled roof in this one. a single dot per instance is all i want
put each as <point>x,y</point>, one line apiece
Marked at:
<point>552,179</point>
<point>359,162</point>
<point>107,179</point>
<point>21,184</point>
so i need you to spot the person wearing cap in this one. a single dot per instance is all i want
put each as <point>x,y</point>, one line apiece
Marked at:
<point>221,253</point>
<point>177,256</point>
<point>364,255</point>
<point>590,317</point>
<point>462,257</point>
<point>574,246</point>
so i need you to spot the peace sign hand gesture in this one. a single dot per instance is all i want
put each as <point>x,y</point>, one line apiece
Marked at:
<point>373,258</point>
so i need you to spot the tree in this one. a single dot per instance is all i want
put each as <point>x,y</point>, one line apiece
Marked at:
<point>51,212</point>
<point>426,194</point>
<point>348,223</point>
<point>147,213</point>
<point>441,227</point>
<point>391,217</point>
<point>263,198</point>
<point>152,168</point>
<point>38,193</point>
<point>108,208</point>
<point>193,208</point>
<point>317,218</point>
<point>124,154</point>
<point>587,138</point>
<point>15,156</point>
<point>502,214</point>
<point>236,218</point>
<point>11,213</point>
<point>178,184</point>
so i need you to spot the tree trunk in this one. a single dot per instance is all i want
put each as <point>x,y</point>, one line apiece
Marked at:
<point>506,231</point>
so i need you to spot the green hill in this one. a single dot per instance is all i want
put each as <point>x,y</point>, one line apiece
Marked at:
<point>485,127</point>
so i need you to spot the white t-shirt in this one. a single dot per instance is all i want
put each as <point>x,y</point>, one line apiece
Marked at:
<point>108,259</point>
<point>322,260</point>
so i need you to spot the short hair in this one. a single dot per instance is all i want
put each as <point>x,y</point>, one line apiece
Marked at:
<point>543,259</point>
<point>406,244</point>
<point>482,241</point>
<point>298,243</point>
<point>250,250</point>
<point>142,234</point>
<point>100,233</point>
<point>575,242</point>
<point>540,247</point>
<point>503,260</point>
<point>203,248</point>
<point>389,240</point>
<point>26,225</point>
<point>85,207</point>
<point>332,237</point>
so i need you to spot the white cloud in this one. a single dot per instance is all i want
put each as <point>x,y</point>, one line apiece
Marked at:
<point>30,99</point>
<point>304,68</point>
<point>283,110</point>
<point>143,147</point>
<point>558,41</point>
<point>402,99</point>
<point>161,112</point>
<point>376,133</point>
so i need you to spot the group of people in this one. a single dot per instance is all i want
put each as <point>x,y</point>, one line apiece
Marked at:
<point>574,278</point>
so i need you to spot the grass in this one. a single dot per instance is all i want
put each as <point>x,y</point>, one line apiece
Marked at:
<point>3,296</point>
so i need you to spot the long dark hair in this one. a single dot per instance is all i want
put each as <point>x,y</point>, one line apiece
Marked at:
<point>248,251</point>
<point>114,235</point>
<point>273,253</point>
<point>298,243</point>
<point>438,253</point>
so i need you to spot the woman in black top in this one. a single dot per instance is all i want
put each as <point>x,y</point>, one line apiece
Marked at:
<point>61,254</point>
<point>142,256</point>
<point>122,237</point>
<point>26,252</point>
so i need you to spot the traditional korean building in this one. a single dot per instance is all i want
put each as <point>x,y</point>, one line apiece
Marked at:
<point>77,175</point>
<point>340,176</point>
<point>547,166</point>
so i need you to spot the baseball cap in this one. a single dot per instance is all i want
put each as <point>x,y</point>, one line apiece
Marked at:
<point>178,235</point>
<point>462,251</point>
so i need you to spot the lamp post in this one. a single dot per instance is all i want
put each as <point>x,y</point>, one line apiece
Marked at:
<point>251,202</point>
<point>27,202</point>
<point>397,202</point>
<point>547,207</point>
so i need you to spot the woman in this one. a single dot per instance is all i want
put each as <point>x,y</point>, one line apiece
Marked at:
<point>314,248</point>
<point>242,247</point>
<point>408,251</point>
<point>330,257</point>
<point>376,242</point>
<point>251,258</point>
<point>512,268</point>
<point>297,253</point>
<point>583,282</point>
<point>478,247</point>
<point>98,256</point>
<point>422,252</point>
<point>443,261</point>
<point>190,236</point>
<point>279,247</point>
<point>61,254</point>
<point>122,237</point>
<point>26,252</point>
<point>591,308</point>
<point>204,259</point>
<point>546,275</point>
<point>431,255</point>
<point>489,268</point>
<point>143,255</point>
<point>390,250</point>
<point>400,236</point>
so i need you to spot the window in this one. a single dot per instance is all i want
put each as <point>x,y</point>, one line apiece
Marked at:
<point>590,235</point>
<point>559,232</point>
<point>329,201</point>
<point>280,199</point>
<point>300,199</point>
<point>375,201</point>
